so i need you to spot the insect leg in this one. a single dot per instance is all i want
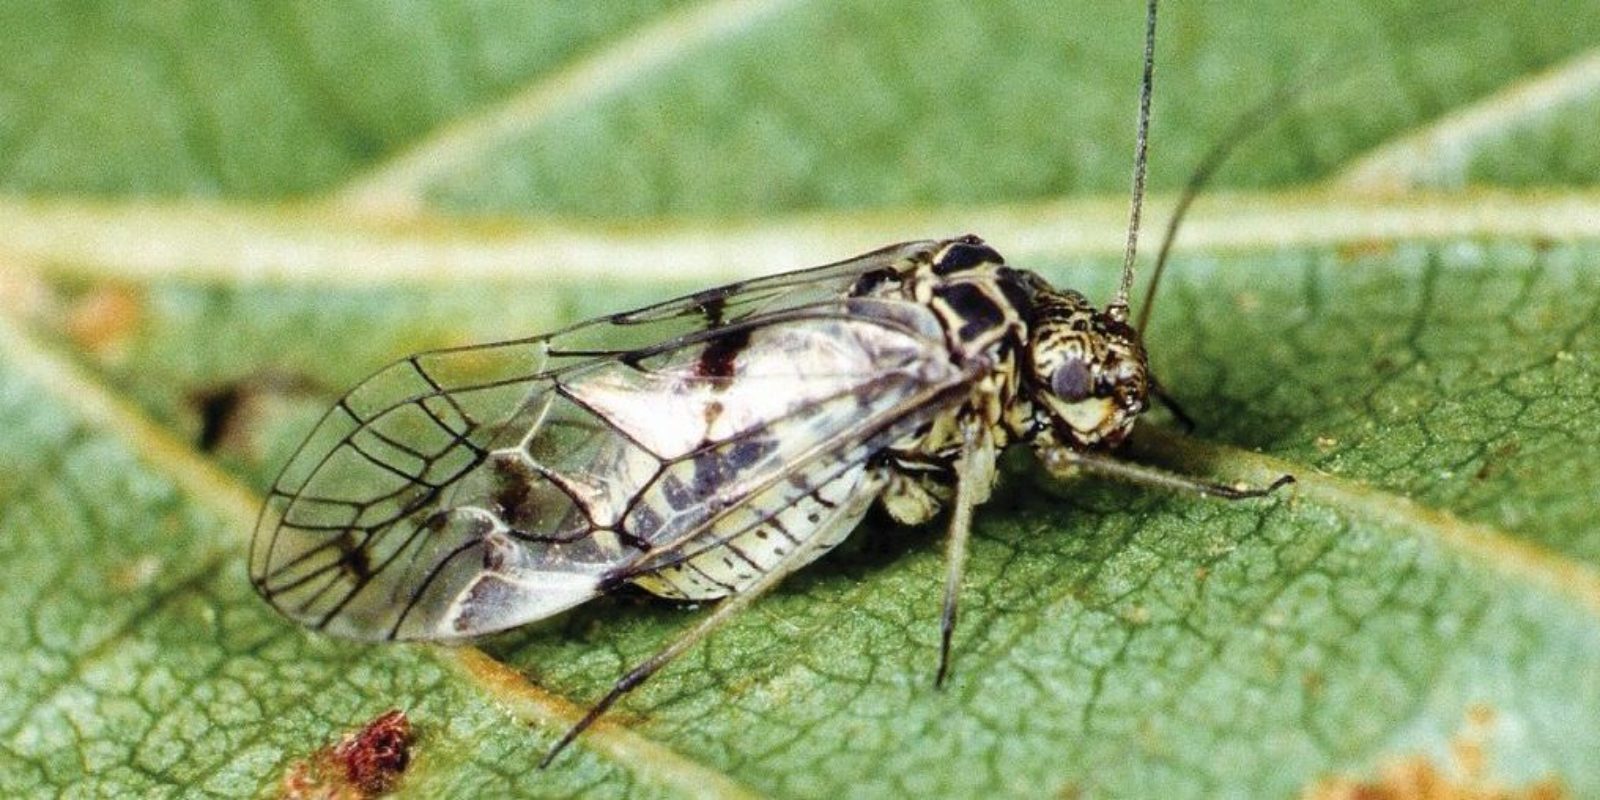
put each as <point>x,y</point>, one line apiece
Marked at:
<point>1184,420</point>
<point>1063,461</point>
<point>972,484</point>
<point>724,611</point>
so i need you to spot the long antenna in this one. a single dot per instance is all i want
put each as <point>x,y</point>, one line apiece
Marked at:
<point>1118,308</point>
<point>1248,123</point>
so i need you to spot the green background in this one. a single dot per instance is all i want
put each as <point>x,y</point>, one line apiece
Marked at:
<point>191,270</point>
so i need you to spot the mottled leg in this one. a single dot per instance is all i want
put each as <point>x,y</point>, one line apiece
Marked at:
<point>1064,461</point>
<point>974,470</point>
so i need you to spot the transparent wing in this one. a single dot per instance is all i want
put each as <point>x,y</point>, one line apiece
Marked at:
<point>661,324</point>
<point>465,491</point>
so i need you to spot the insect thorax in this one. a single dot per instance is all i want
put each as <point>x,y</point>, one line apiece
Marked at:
<point>1055,371</point>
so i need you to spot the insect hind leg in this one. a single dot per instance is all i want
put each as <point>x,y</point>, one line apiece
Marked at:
<point>859,488</point>
<point>724,611</point>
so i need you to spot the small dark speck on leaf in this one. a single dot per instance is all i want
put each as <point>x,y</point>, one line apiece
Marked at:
<point>218,407</point>
<point>225,409</point>
<point>363,764</point>
<point>1496,460</point>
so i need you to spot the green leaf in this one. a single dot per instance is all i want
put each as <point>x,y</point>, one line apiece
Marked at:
<point>1424,362</point>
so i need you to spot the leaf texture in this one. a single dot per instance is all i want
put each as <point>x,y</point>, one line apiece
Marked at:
<point>1431,588</point>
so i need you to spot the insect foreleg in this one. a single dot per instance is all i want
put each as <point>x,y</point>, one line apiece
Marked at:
<point>1064,462</point>
<point>974,471</point>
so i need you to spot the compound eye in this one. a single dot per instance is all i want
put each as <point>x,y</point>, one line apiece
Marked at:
<point>1071,381</point>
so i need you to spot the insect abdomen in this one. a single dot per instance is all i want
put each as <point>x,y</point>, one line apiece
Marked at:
<point>750,540</point>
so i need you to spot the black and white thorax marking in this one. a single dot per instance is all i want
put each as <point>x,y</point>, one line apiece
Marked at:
<point>989,313</point>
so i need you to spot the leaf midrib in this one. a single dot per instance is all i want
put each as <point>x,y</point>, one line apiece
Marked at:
<point>243,245</point>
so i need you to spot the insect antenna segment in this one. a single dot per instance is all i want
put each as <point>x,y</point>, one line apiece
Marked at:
<point>1247,124</point>
<point>1118,308</point>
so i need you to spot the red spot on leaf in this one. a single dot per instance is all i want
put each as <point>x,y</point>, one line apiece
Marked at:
<point>363,764</point>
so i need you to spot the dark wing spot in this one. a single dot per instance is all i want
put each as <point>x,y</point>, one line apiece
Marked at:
<point>437,521</point>
<point>497,553</point>
<point>352,559</point>
<point>678,496</point>
<point>513,491</point>
<point>714,468</point>
<point>712,304</point>
<point>710,473</point>
<point>716,360</point>
<point>489,591</point>
<point>749,452</point>
<point>643,524</point>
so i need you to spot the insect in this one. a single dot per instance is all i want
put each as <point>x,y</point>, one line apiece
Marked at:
<point>701,448</point>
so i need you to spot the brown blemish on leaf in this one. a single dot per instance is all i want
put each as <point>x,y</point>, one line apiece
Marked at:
<point>218,407</point>
<point>226,410</point>
<point>1496,460</point>
<point>1365,249</point>
<point>104,321</point>
<point>1416,777</point>
<point>365,763</point>
<point>136,573</point>
<point>1313,681</point>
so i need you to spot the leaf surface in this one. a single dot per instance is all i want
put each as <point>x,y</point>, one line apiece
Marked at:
<point>1434,578</point>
